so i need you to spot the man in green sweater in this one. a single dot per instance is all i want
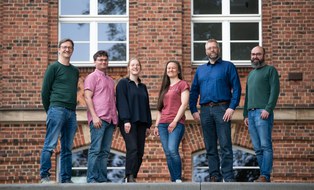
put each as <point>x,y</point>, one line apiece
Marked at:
<point>59,91</point>
<point>262,91</point>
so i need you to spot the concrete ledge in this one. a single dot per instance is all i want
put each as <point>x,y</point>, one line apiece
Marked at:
<point>163,186</point>
<point>39,116</point>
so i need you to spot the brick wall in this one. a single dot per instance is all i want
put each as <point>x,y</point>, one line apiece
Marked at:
<point>159,31</point>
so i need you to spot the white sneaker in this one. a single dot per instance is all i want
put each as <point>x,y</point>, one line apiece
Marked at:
<point>46,180</point>
<point>178,181</point>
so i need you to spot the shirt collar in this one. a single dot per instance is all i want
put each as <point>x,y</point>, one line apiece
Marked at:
<point>219,60</point>
<point>99,72</point>
<point>139,80</point>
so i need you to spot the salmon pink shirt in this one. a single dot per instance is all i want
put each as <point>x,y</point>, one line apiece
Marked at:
<point>104,99</point>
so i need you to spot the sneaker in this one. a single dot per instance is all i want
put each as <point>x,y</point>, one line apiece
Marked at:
<point>178,181</point>
<point>67,181</point>
<point>46,180</point>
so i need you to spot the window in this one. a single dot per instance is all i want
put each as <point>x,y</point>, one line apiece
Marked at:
<point>244,164</point>
<point>115,167</point>
<point>95,25</point>
<point>235,24</point>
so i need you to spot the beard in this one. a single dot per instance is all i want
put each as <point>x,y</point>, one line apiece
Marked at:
<point>256,63</point>
<point>213,56</point>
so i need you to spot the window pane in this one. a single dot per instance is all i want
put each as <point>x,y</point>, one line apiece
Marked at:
<point>112,31</point>
<point>244,31</point>
<point>112,7</point>
<point>241,158</point>
<point>75,7</point>
<point>199,52</point>
<point>244,6</point>
<point>205,31</point>
<point>117,51</point>
<point>75,31</point>
<point>207,7</point>
<point>242,51</point>
<point>81,52</point>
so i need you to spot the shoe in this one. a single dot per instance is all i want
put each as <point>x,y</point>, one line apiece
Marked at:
<point>130,179</point>
<point>214,179</point>
<point>178,181</point>
<point>230,180</point>
<point>67,181</point>
<point>262,179</point>
<point>46,180</point>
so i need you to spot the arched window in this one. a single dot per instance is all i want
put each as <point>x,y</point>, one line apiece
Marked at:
<point>116,166</point>
<point>244,164</point>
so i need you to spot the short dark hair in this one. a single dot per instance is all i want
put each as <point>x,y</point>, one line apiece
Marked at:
<point>66,40</point>
<point>100,53</point>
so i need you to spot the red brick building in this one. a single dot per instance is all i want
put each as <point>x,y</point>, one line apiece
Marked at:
<point>155,31</point>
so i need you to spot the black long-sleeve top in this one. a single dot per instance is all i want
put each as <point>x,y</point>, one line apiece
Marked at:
<point>133,102</point>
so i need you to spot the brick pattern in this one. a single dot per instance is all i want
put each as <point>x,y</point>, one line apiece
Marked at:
<point>159,31</point>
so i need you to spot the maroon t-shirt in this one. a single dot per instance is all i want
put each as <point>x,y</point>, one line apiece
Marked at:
<point>172,102</point>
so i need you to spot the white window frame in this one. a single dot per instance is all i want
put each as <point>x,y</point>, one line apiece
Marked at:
<point>84,168</point>
<point>225,19</point>
<point>93,19</point>
<point>234,167</point>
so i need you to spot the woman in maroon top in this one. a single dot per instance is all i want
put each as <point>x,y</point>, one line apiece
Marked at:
<point>171,106</point>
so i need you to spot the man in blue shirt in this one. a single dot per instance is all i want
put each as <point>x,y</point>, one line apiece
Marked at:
<point>217,82</point>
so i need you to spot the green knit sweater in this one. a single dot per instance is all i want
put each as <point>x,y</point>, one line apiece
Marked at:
<point>59,86</point>
<point>262,89</point>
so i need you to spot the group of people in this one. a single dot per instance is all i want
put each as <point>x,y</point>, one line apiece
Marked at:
<point>216,86</point>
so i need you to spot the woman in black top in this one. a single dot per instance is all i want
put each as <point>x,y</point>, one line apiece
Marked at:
<point>134,117</point>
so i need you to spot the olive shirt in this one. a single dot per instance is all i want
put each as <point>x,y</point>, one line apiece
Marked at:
<point>59,86</point>
<point>262,89</point>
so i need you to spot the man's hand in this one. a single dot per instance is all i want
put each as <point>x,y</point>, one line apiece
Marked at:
<point>228,115</point>
<point>127,127</point>
<point>264,114</point>
<point>246,121</point>
<point>196,116</point>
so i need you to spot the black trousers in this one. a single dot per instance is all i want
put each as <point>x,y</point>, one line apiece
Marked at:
<point>135,143</point>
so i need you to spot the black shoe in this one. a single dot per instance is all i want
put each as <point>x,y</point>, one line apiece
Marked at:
<point>214,179</point>
<point>131,179</point>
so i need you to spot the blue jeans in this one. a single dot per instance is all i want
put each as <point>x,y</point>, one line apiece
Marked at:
<point>260,132</point>
<point>214,128</point>
<point>170,143</point>
<point>59,120</point>
<point>99,152</point>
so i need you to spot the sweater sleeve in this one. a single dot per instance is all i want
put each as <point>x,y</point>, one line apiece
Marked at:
<point>48,80</point>
<point>122,101</point>
<point>274,90</point>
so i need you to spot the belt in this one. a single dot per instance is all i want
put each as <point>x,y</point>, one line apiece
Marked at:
<point>212,104</point>
<point>252,109</point>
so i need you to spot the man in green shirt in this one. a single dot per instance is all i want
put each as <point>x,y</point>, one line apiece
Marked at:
<point>262,91</point>
<point>59,91</point>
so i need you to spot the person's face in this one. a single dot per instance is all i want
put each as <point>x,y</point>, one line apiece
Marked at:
<point>66,50</point>
<point>101,63</point>
<point>172,70</point>
<point>257,57</point>
<point>134,67</point>
<point>212,50</point>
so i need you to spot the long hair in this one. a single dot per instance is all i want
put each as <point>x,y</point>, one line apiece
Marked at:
<point>166,83</point>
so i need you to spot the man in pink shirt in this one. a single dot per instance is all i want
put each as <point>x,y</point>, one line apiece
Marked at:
<point>102,117</point>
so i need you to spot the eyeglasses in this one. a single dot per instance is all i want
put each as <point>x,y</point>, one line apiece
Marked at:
<point>102,60</point>
<point>256,54</point>
<point>67,47</point>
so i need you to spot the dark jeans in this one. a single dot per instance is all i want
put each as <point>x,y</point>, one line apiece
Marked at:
<point>135,143</point>
<point>101,139</point>
<point>214,128</point>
